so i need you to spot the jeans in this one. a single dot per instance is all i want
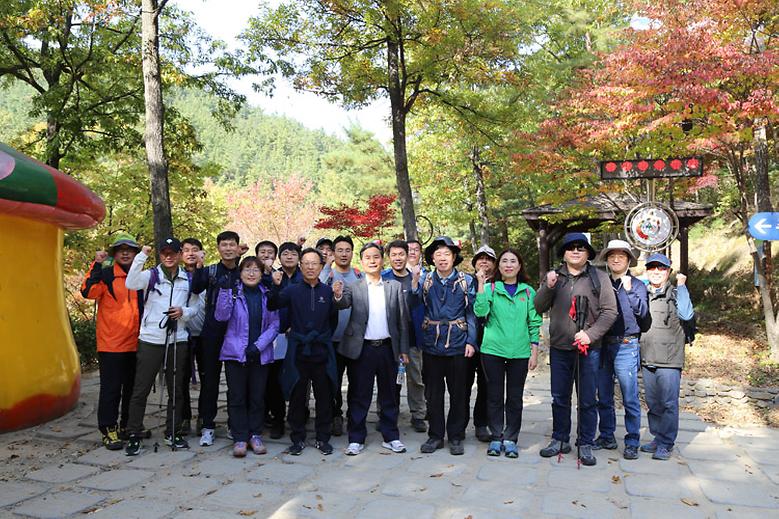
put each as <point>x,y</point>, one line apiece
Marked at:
<point>246,398</point>
<point>563,364</point>
<point>509,374</point>
<point>374,363</point>
<point>661,387</point>
<point>620,358</point>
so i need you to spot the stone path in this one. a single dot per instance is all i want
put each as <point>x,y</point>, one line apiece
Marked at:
<point>60,469</point>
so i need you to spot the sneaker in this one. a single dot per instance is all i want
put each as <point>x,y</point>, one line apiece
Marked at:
<point>554,448</point>
<point>431,445</point>
<point>134,446</point>
<point>354,449</point>
<point>418,425</point>
<point>394,446</point>
<point>586,457</point>
<point>495,447</point>
<point>511,449</point>
<point>604,443</point>
<point>456,447</point>
<point>338,426</point>
<point>111,439</point>
<point>277,431</point>
<point>296,449</point>
<point>255,442</point>
<point>483,434</point>
<point>207,438</point>
<point>324,447</point>
<point>661,453</point>
<point>630,453</point>
<point>186,428</point>
<point>650,447</point>
<point>177,442</point>
<point>229,434</point>
<point>239,449</point>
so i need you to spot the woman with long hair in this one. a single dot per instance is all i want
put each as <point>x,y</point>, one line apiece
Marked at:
<point>509,347</point>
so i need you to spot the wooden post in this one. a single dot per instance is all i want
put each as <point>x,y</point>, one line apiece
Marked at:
<point>684,256</point>
<point>543,250</point>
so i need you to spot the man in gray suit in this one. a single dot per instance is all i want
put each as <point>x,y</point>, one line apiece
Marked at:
<point>376,340</point>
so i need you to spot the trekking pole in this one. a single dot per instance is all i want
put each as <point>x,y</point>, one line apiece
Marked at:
<point>172,328</point>
<point>161,381</point>
<point>578,311</point>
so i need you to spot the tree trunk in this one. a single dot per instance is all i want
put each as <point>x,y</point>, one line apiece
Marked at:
<point>397,99</point>
<point>481,196</point>
<point>53,149</point>
<point>155,111</point>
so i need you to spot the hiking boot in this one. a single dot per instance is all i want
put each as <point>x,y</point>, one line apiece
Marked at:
<point>296,449</point>
<point>554,448</point>
<point>239,449</point>
<point>111,439</point>
<point>176,441</point>
<point>277,431</point>
<point>586,457</point>
<point>134,446</point>
<point>338,426</point>
<point>324,447</point>
<point>186,428</point>
<point>354,449</point>
<point>661,453</point>
<point>395,446</point>
<point>650,447</point>
<point>495,447</point>
<point>604,443</point>
<point>207,438</point>
<point>510,448</point>
<point>630,452</point>
<point>456,447</point>
<point>418,425</point>
<point>255,442</point>
<point>431,445</point>
<point>482,434</point>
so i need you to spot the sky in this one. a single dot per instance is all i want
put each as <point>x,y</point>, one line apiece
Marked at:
<point>312,111</point>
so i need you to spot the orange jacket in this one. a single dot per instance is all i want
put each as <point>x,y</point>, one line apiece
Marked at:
<point>118,310</point>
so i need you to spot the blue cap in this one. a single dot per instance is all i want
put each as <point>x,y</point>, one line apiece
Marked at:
<point>662,259</point>
<point>576,237</point>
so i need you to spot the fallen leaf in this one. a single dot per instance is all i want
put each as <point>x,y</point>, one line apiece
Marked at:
<point>438,475</point>
<point>456,485</point>
<point>319,498</point>
<point>247,513</point>
<point>258,495</point>
<point>689,502</point>
<point>615,479</point>
<point>308,507</point>
<point>320,507</point>
<point>508,502</point>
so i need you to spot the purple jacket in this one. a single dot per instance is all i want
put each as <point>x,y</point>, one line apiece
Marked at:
<point>236,313</point>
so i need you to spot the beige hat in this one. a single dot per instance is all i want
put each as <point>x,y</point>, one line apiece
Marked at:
<point>618,245</point>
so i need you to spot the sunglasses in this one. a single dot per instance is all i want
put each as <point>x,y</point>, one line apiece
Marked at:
<point>576,247</point>
<point>657,267</point>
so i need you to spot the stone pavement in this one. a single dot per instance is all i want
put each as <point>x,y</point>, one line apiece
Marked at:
<point>60,470</point>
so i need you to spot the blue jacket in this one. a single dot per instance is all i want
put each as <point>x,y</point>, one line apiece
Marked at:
<point>309,308</point>
<point>631,307</point>
<point>449,324</point>
<point>299,346</point>
<point>416,310</point>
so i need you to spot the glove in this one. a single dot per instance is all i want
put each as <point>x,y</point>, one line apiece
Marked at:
<point>252,354</point>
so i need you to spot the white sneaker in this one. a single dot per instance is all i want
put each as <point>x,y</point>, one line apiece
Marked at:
<point>394,446</point>
<point>354,449</point>
<point>207,438</point>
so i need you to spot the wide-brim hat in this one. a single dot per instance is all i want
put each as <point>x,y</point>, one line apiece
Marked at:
<point>484,250</point>
<point>576,237</point>
<point>620,245</point>
<point>123,239</point>
<point>447,242</point>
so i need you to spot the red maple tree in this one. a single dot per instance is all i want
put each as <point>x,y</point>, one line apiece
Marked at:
<point>368,223</point>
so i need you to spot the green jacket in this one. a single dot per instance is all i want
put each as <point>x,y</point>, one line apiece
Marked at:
<point>512,323</point>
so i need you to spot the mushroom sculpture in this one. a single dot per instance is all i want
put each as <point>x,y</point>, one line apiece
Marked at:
<point>40,375</point>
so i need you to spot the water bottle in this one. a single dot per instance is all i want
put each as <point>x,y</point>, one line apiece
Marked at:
<point>401,379</point>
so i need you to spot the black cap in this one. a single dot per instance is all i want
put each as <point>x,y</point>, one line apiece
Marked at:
<point>169,243</point>
<point>324,241</point>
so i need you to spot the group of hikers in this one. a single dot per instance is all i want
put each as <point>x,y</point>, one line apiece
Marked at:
<point>281,331</point>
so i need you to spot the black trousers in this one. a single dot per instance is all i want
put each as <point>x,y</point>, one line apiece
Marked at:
<point>314,373</point>
<point>374,363</point>
<point>476,371</point>
<point>274,397</point>
<point>117,374</point>
<point>509,375</point>
<point>446,373</point>
<point>195,363</point>
<point>246,398</point>
<point>209,384</point>
<point>341,364</point>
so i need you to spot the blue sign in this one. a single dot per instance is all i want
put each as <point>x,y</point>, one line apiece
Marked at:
<point>765,226</point>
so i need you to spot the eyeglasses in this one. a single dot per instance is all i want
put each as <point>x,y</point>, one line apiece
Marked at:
<point>252,270</point>
<point>310,264</point>
<point>657,267</point>
<point>576,247</point>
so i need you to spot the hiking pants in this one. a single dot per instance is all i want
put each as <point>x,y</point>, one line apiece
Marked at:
<point>476,372</point>
<point>314,373</point>
<point>446,373</point>
<point>274,396</point>
<point>246,384</point>
<point>209,384</point>
<point>150,359</point>
<point>562,364</point>
<point>375,363</point>
<point>117,374</point>
<point>415,386</point>
<point>504,376</point>
<point>661,388</point>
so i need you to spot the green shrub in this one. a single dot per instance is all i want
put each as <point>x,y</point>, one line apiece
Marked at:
<point>86,342</point>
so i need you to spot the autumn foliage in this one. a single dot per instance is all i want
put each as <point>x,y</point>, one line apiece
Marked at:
<point>378,215</point>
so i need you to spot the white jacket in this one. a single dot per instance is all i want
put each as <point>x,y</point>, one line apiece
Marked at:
<point>165,295</point>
